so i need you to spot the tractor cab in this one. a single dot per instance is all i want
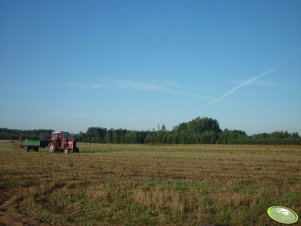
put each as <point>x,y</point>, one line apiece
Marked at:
<point>60,135</point>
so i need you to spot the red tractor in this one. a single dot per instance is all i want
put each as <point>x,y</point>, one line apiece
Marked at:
<point>63,142</point>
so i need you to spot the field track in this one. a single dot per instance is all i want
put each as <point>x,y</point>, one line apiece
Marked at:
<point>148,185</point>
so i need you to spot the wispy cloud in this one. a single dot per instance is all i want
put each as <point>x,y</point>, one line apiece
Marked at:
<point>96,84</point>
<point>141,85</point>
<point>170,89</point>
<point>159,87</point>
<point>84,85</point>
<point>254,79</point>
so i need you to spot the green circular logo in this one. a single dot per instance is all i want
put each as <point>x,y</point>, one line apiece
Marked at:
<point>282,214</point>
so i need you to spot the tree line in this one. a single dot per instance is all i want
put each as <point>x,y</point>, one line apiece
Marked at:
<point>196,131</point>
<point>15,134</point>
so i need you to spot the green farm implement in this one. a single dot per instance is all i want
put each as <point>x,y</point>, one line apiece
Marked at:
<point>30,144</point>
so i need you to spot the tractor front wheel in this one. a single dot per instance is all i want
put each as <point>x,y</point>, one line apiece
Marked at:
<point>51,147</point>
<point>66,150</point>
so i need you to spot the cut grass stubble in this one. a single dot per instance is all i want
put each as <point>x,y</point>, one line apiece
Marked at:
<point>149,185</point>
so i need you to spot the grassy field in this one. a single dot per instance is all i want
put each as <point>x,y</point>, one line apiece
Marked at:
<point>148,185</point>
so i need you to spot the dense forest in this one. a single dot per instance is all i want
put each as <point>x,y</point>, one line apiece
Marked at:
<point>196,131</point>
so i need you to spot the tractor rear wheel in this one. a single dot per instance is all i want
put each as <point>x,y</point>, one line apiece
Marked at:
<point>76,150</point>
<point>51,147</point>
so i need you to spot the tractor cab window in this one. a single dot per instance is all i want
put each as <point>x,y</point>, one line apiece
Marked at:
<point>57,135</point>
<point>54,136</point>
<point>67,135</point>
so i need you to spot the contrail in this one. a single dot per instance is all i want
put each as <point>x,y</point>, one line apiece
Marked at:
<point>248,82</point>
<point>251,80</point>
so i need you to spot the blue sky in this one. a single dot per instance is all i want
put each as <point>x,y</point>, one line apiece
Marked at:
<point>69,65</point>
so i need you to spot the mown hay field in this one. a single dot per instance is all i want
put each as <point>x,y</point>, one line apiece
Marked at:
<point>148,185</point>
